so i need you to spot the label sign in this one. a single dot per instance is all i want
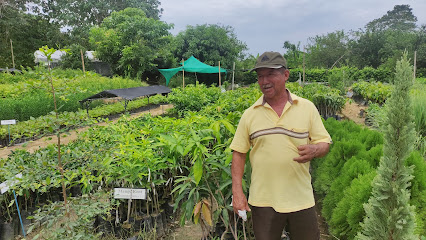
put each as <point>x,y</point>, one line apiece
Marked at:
<point>8,122</point>
<point>4,186</point>
<point>129,193</point>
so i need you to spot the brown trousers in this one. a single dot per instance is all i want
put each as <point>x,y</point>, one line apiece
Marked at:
<point>269,224</point>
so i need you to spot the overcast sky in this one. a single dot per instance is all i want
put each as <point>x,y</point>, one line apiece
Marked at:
<point>264,25</point>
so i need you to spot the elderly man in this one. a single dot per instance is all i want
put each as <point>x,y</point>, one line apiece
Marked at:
<point>284,133</point>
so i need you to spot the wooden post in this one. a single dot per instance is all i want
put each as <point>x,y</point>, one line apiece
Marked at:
<point>415,60</point>
<point>219,76</point>
<point>233,75</point>
<point>82,61</point>
<point>183,74</point>
<point>13,57</point>
<point>304,65</point>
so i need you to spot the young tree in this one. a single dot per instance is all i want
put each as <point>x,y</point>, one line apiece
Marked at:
<point>388,212</point>
<point>132,43</point>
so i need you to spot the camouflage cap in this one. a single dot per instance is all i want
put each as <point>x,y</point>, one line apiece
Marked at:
<point>270,60</point>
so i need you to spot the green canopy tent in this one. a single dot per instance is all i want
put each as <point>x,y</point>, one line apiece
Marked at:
<point>190,65</point>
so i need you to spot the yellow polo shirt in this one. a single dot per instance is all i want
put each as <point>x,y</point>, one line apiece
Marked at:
<point>277,180</point>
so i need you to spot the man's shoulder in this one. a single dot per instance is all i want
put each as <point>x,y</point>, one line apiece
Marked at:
<point>302,101</point>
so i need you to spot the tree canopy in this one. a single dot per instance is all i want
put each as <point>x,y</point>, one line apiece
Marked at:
<point>325,50</point>
<point>131,42</point>
<point>210,43</point>
<point>27,33</point>
<point>400,18</point>
<point>379,44</point>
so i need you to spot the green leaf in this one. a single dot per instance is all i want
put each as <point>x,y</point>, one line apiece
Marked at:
<point>228,159</point>
<point>188,148</point>
<point>198,170</point>
<point>225,216</point>
<point>228,126</point>
<point>11,202</point>
<point>227,183</point>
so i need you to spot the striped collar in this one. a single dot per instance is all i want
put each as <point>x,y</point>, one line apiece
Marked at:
<point>291,99</point>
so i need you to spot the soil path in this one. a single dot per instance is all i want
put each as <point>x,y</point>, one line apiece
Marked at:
<point>72,135</point>
<point>352,112</point>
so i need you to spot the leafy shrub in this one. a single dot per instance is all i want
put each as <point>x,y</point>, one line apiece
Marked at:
<point>351,74</point>
<point>192,98</point>
<point>375,92</point>
<point>327,100</point>
<point>349,211</point>
<point>352,168</point>
<point>343,178</point>
<point>40,126</point>
<point>72,60</point>
<point>332,165</point>
<point>418,190</point>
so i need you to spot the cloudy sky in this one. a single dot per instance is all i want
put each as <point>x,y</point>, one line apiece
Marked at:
<point>264,25</point>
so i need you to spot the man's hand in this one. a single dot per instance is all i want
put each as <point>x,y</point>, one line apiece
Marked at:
<point>239,202</point>
<point>311,151</point>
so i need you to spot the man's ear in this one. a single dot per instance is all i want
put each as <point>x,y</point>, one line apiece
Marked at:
<point>286,74</point>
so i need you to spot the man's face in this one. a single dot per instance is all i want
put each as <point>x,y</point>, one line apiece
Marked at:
<point>272,81</point>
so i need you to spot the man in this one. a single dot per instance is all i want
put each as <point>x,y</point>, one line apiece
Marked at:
<point>284,133</point>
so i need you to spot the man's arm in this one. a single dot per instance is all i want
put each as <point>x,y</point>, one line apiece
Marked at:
<point>311,151</point>
<point>239,201</point>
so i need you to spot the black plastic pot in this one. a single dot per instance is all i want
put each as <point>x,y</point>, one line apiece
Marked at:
<point>75,191</point>
<point>147,224</point>
<point>7,231</point>
<point>158,223</point>
<point>26,222</point>
<point>103,225</point>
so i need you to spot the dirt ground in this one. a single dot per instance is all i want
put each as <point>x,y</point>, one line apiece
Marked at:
<point>188,232</point>
<point>352,111</point>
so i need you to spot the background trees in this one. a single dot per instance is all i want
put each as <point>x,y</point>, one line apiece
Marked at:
<point>324,51</point>
<point>294,55</point>
<point>27,32</point>
<point>379,44</point>
<point>210,43</point>
<point>132,43</point>
<point>400,18</point>
<point>79,16</point>
<point>60,23</point>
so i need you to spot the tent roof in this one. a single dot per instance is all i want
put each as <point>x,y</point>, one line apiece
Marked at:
<point>190,65</point>
<point>130,93</point>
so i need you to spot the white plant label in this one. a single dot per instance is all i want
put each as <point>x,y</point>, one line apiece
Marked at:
<point>129,193</point>
<point>8,122</point>
<point>4,186</point>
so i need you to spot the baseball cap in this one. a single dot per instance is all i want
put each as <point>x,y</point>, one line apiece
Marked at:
<point>270,60</point>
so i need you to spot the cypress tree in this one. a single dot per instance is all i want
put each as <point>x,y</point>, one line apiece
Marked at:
<point>389,216</point>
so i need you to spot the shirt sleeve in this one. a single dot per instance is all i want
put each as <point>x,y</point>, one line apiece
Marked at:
<point>241,141</point>
<point>318,133</point>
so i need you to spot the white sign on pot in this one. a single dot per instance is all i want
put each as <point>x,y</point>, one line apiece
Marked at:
<point>129,193</point>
